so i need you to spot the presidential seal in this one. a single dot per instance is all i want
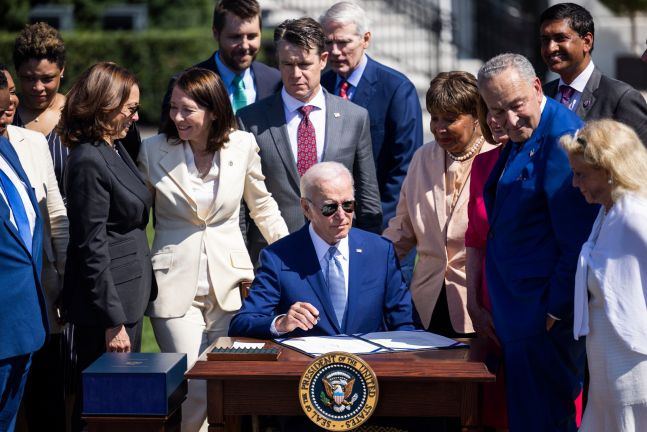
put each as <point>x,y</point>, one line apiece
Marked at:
<point>338,391</point>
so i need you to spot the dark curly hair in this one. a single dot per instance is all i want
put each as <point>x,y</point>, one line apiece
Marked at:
<point>39,41</point>
<point>207,90</point>
<point>90,104</point>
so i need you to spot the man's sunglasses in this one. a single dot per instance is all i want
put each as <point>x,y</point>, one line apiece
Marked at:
<point>329,209</point>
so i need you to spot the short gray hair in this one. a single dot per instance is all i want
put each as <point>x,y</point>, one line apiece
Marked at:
<point>502,62</point>
<point>322,172</point>
<point>347,13</point>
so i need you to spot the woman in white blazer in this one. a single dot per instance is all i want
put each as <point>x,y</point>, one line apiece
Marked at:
<point>609,164</point>
<point>199,168</point>
<point>46,371</point>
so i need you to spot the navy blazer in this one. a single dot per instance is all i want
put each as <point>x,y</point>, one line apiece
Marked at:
<point>538,223</point>
<point>266,78</point>
<point>396,126</point>
<point>378,299</point>
<point>23,316</point>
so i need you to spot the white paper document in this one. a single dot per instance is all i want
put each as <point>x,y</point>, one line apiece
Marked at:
<point>410,340</point>
<point>317,345</point>
<point>370,343</point>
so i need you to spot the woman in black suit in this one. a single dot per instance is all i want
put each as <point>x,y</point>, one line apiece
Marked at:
<point>108,272</point>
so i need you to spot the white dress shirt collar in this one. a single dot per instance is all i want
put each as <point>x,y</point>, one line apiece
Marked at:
<point>355,76</point>
<point>227,76</point>
<point>321,246</point>
<point>579,83</point>
<point>292,104</point>
<point>317,116</point>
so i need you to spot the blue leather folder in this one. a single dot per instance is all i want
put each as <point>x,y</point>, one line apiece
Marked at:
<point>134,384</point>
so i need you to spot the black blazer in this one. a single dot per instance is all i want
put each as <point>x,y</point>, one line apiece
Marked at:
<point>266,78</point>
<point>605,97</point>
<point>108,272</point>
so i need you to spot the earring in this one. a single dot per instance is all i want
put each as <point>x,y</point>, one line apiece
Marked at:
<point>610,181</point>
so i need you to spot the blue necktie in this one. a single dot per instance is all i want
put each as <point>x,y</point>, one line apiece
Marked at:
<point>336,284</point>
<point>239,99</point>
<point>17,208</point>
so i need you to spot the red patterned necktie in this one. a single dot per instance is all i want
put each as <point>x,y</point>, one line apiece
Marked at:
<point>343,90</point>
<point>306,141</point>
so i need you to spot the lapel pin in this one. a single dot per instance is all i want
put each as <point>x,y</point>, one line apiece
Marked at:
<point>336,115</point>
<point>359,250</point>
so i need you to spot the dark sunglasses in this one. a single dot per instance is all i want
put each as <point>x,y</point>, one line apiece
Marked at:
<point>329,209</point>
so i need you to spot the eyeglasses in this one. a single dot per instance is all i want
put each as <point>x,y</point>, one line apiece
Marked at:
<point>329,209</point>
<point>132,110</point>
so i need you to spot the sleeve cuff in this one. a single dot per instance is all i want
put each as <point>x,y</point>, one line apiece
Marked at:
<point>273,326</point>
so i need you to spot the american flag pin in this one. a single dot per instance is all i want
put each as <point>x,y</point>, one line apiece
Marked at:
<point>359,250</point>
<point>337,114</point>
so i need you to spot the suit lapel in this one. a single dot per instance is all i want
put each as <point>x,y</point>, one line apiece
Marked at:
<point>226,156</point>
<point>436,174</point>
<point>490,188</point>
<point>588,95</point>
<point>12,159</point>
<point>279,131</point>
<point>175,166</point>
<point>315,277</point>
<point>357,265</point>
<point>334,128</point>
<point>125,173</point>
<point>366,88</point>
<point>503,178</point>
<point>262,86</point>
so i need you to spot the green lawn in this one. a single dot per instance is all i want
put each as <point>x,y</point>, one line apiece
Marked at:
<point>148,339</point>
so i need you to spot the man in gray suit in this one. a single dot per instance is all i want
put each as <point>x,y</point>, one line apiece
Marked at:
<point>303,125</point>
<point>567,36</point>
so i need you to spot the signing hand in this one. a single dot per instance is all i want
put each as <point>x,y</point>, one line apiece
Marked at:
<point>301,315</point>
<point>117,339</point>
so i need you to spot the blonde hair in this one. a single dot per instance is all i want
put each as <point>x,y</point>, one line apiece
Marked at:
<point>614,147</point>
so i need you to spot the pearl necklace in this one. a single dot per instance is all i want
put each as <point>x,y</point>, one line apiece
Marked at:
<point>470,152</point>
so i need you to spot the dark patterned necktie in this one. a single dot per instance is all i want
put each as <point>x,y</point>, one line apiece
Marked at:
<point>567,94</point>
<point>306,141</point>
<point>343,90</point>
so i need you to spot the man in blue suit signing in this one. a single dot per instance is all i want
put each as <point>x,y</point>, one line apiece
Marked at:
<point>538,223</point>
<point>23,321</point>
<point>390,98</point>
<point>327,278</point>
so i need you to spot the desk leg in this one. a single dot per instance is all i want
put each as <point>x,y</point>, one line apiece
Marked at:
<point>215,406</point>
<point>471,408</point>
<point>218,421</point>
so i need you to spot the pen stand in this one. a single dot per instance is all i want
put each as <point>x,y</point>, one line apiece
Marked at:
<point>243,354</point>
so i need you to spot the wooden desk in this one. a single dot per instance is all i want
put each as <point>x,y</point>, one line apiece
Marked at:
<point>437,383</point>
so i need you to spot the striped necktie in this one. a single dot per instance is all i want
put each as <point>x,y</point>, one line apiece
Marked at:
<point>17,208</point>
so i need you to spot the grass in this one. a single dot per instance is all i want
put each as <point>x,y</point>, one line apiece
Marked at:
<point>149,344</point>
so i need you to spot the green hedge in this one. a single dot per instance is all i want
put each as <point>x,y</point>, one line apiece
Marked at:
<point>154,56</point>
